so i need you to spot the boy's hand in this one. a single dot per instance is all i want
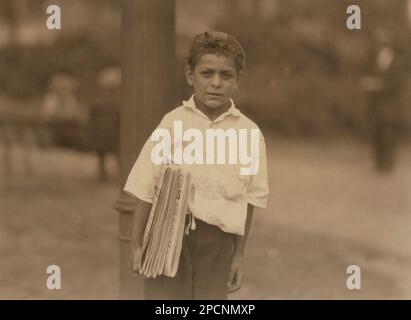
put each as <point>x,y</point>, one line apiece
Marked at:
<point>135,258</point>
<point>235,278</point>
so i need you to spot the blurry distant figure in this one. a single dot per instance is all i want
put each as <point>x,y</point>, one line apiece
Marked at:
<point>63,112</point>
<point>60,102</point>
<point>384,85</point>
<point>87,128</point>
<point>104,115</point>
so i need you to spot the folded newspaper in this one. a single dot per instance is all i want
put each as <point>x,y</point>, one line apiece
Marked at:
<point>163,234</point>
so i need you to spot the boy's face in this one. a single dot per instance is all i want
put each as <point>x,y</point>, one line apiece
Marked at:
<point>214,79</point>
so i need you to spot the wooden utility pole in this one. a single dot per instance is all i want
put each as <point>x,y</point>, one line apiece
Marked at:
<point>409,12</point>
<point>148,75</point>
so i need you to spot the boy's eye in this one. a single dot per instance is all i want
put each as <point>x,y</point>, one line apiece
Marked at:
<point>206,73</point>
<point>227,75</point>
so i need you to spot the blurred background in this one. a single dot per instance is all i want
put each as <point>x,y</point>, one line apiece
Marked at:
<point>332,103</point>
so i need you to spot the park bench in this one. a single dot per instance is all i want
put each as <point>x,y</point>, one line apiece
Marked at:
<point>99,135</point>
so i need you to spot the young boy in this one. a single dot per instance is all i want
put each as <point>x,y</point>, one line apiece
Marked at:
<point>211,261</point>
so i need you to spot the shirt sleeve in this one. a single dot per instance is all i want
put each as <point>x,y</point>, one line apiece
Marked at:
<point>257,190</point>
<point>142,177</point>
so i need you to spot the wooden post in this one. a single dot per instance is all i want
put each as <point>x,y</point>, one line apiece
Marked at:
<point>148,74</point>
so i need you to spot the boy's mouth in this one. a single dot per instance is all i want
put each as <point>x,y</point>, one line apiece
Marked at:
<point>214,94</point>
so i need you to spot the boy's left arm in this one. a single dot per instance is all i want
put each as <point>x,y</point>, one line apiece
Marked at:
<point>237,260</point>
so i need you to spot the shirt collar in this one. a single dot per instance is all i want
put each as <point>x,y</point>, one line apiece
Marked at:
<point>231,111</point>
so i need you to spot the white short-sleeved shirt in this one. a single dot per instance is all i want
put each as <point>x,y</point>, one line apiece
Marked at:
<point>221,192</point>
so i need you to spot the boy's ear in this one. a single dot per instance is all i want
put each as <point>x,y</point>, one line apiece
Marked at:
<point>189,75</point>
<point>237,82</point>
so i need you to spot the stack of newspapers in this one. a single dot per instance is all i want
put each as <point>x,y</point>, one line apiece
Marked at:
<point>163,234</point>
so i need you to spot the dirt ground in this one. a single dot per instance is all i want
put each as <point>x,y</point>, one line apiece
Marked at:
<point>328,209</point>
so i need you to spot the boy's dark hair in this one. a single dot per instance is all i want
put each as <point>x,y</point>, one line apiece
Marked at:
<point>218,43</point>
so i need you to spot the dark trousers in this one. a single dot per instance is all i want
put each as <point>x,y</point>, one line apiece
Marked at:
<point>203,268</point>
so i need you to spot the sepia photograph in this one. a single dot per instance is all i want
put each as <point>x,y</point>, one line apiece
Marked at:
<point>205,150</point>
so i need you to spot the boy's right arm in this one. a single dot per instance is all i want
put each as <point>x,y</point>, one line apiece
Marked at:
<point>141,214</point>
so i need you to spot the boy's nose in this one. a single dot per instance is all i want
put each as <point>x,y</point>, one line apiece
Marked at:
<point>216,81</point>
